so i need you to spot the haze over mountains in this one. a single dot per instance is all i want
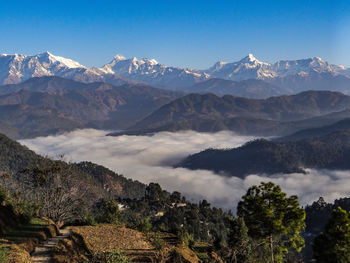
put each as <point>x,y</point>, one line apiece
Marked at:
<point>49,105</point>
<point>47,94</point>
<point>283,77</point>
<point>274,116</point>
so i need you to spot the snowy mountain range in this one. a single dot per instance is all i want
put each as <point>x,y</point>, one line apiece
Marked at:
<point>298,75</point>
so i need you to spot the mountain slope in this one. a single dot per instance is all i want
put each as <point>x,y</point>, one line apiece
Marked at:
<point>152,72</point>
<point>99,180</point>
<point>289,75</point>
<point>18,68</point>
<point>247,68</point>
<point>251,68</point>
<point>31,121</point>
<point>267,157</point>
<point>86,104</point>
<point>195,108</point>
<point>343,125</point>
<point>251,88</point>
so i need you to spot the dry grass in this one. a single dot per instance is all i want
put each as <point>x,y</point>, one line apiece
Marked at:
<point>188,254</point>
<point>15,254</point>
<point>104,238</point>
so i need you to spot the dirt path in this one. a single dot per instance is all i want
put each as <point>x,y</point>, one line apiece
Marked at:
<point>42,252</point>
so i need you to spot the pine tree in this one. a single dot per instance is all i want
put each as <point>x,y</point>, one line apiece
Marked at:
<point>333,245</point>
<point>273,219</point>
<point>239,242</point>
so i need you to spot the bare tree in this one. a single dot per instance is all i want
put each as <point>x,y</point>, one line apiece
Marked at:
<point>55,190</point>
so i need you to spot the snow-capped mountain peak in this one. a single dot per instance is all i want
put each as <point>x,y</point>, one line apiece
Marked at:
<point>57,60</point>
<point>249,58</point>
<point>248,67</point>
<point>151,61</point>
<point>119,57</point>
<point>17,68</point>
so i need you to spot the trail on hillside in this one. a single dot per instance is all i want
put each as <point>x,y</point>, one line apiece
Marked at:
<point>42,253</point>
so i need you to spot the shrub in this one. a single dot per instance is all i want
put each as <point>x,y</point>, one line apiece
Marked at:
<point>203,257</point>
<point>175,257</point>
<point>157,241</point>
<point>114,256</point>
<point>108,211</point>
<point>145,226</point>
<point>3,194</point>
<point>3,255</point>
<point>187,239</point>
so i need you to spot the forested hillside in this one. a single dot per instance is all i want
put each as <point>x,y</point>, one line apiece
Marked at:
<point>269,157</point>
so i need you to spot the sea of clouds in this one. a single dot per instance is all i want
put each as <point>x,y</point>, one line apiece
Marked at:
<point>149,159</point>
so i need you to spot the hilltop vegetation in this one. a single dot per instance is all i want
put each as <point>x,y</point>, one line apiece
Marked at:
<point>16,160</point>
<point>269,157</point>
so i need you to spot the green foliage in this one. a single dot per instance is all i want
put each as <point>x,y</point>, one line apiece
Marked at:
<point>157,242</point>
<point>3,194</point>
<point>22,209</point>
<point>333,245</point>
<point>3,255</point>
<point>273,218</point>
<point>108,211</point>
<point>239,243</point>
<point>203,257</point>
<point>200,221</point>
<point>270,157</point>
<point>174,257</point>
<point>155,193</point>
<point>145,225</point>
<point>114,256</point>
<point>187,239</point>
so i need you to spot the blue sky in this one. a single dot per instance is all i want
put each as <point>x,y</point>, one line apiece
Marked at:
<point>182,33</point>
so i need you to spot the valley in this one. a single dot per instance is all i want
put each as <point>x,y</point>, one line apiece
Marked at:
<point>165,154</point>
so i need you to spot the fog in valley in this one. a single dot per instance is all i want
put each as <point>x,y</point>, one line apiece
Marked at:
<point>149,159</point>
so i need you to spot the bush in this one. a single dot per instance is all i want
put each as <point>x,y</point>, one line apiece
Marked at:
<point>203,257</point>
<point>3,194</point>
<point>3,255</point>
<point>145,226</point>
<point>175,257</point>
<point>187,239</point>
<point>108,211</point>
<point>114,256</point>
<point>157,241</point>
<point>23,209</point>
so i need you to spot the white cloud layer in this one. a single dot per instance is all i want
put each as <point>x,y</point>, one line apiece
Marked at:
<point>148,159</point>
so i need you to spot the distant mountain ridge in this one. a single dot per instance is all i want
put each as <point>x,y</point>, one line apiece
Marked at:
<point>264,117</point>
<point>18,68</point>
<point>294,75</point>
<point>250,88</point>
<point>48,105</point>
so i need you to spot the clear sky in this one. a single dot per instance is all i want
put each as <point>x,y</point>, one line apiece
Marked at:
<point>181,33</point>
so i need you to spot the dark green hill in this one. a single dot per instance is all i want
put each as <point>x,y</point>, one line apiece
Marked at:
<point>15,157</point>
<point>268,157</point>
<point>100,181</point>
